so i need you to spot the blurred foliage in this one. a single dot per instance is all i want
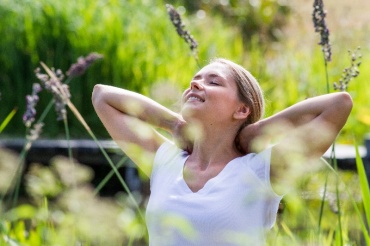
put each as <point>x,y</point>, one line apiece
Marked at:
<point>136,38</point>
<point>263,19</point>
<point>8,167</point>
<point>62,209</point>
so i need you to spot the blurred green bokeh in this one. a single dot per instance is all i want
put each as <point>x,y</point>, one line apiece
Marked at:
<point>139,44</point>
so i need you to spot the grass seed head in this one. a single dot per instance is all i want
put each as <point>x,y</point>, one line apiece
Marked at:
<point>180,28</point>
<point>31,102</point>
<point>318,18</point>
<point>82,64</point>
<point>59,90</point>
<point>350,72</point>
<point>35,132</point>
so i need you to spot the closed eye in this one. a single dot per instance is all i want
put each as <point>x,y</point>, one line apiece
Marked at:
<point>213,83</point>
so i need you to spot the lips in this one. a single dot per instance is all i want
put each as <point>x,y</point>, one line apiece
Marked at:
<point>194,97</point>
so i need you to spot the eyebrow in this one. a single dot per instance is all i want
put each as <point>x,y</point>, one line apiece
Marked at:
<point>212,75</point>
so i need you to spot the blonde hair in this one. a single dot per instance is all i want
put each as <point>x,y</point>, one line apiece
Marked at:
<point>249,90</point>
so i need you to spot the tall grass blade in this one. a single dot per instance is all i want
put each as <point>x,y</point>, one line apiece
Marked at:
<point>357,210</point>
<point>364,184</point>
<point>338,237</point>
<point>68,137</point>
<point>288,232</point>
<point>339,214</point>
<point>109,175</point>
<point>7,119</point>
<point>322,202</point>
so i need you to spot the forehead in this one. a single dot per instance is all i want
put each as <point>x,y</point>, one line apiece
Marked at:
<point>214,69</point>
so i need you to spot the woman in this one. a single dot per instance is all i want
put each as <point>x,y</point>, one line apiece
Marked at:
<point>213,187</point>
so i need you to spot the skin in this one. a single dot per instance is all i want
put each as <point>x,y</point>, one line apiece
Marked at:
<point>220,114</point>
<point>211,103</point>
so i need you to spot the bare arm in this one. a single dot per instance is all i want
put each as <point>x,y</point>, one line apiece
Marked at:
<point>306,129</point>
<point>129,118</point>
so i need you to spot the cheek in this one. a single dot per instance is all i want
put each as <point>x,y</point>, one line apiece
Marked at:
<point>227,105</point>
<point>184,95</point>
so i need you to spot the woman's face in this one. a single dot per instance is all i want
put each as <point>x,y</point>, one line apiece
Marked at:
<point>212,95</point>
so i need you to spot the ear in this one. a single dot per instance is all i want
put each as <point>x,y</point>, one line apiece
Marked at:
<point>242,112</point>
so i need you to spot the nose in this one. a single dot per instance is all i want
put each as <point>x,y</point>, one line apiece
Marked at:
<point>195,85</point>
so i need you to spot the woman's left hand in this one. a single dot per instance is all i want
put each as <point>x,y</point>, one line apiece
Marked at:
<point>181,136</point>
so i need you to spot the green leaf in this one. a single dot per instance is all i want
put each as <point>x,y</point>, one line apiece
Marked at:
<point>7,119</point>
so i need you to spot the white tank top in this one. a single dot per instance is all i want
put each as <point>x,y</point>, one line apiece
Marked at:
<point>234,208</point>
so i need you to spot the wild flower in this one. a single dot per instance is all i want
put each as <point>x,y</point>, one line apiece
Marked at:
<point>52,81</point>
<point>59,90</point>
<point>350,72</point>
<point>35,132</point>
<point>180,29</point>
<point>318,18</point>
<point>31,101</point>
<point>82,64</point>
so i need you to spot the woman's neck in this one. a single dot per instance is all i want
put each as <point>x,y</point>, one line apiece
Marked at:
<point>214,147</point>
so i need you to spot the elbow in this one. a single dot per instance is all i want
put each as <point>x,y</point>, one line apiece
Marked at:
<point>342,108</point>
<point>97,95</point>
<point>346,102</point>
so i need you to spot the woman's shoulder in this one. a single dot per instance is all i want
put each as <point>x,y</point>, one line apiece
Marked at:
<point>263,156</point>
<point>258,163</point>
<point>167,157</point>
<point>169,148</point>
<point>168,152</point>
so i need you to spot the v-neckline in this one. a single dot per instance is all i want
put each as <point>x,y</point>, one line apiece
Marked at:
<point>210,182</point>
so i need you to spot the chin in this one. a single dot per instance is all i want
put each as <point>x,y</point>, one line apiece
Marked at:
<point>189,114</point>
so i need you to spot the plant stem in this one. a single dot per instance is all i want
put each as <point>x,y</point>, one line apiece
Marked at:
<point>332,153</point>
<point>109,175</point>
<point>65,121</point>
<point>46,111</point>
<point>18,175</point>
<point>323,202</point>
<point>350,195</point>
<point>334,161</point>
<point>68,137</point>
<point>327,76</point>
<point>338,197</point>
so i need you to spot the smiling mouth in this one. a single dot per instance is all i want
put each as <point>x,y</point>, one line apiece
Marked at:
<point>194,98</point>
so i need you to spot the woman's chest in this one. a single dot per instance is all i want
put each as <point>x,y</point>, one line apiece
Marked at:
<point>212,209</point>
<point>197,179</point>
<point>227,195</point>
